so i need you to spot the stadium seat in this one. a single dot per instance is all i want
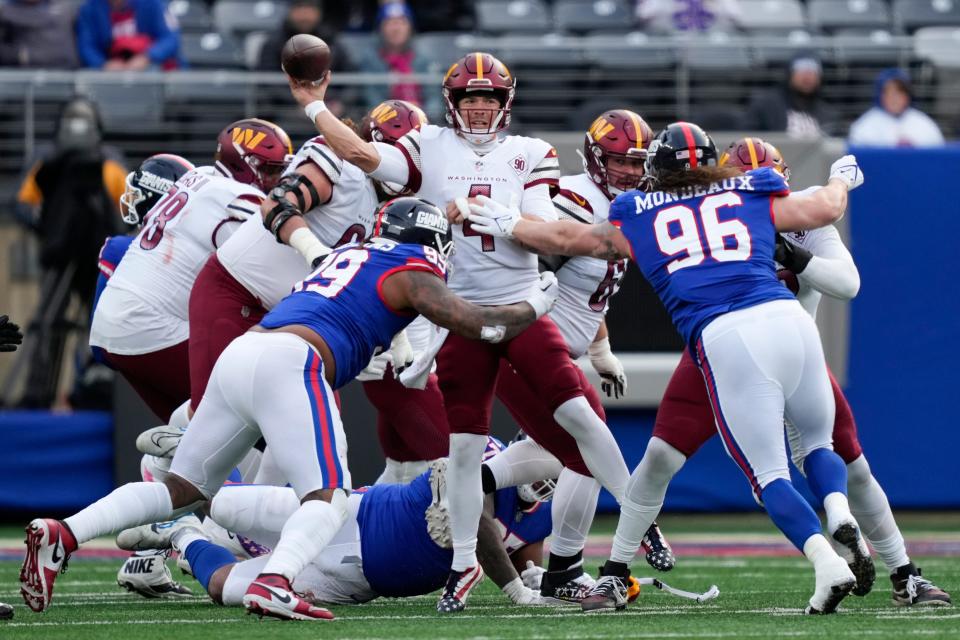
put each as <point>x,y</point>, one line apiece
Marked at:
<point>252,44</point>
<point>939,45</point>
<point>443,47</point>
<point>771,16</point>
<point>192,15</point>
<point>831,15</point>
<point>133,104</point>
<point>211,51</point>
<point>634,50</point>
<point>774,49</point>
<point>578,16</point>
<point>878,48</point>
<point>719,50</point>
<point>910,15</point>
<point>216,91</point>
<point>238,17</point>
<point>497,16</point>
<point>356,44</point>
<point>550,50</point>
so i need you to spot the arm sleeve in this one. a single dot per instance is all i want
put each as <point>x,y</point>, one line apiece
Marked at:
<point>166,40</point>
<point>536,201</point>
<point>397,165</point>
<point>831,270</point>
<point>90,53</point>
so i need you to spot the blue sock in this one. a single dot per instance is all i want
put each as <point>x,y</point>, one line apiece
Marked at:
<point>826,473</point>
<point>205,558</point>
<point>790,512</point>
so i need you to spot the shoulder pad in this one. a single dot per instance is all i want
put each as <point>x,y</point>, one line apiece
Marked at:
<point>572,206</point>
<point>315,150</point>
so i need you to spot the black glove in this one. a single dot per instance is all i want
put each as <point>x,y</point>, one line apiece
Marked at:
<point>791,256</point>
<point>10,335</point>
<point>316,261</point>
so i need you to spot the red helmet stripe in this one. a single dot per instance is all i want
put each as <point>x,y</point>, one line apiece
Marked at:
<point>691,145</point>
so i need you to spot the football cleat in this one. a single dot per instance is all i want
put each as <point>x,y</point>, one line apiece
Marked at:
<point>149,576</point>
<point>459,585</point>
<point>911,589</point>
<point>49,544</point>
<point>161,441</point>
<point>835,581</point>
<point>6,611</point>
<point>608,594</point>
<point>157,535</point>
<point>571,585</point>
<point>659,554</point>
<point>851,546</point>
<point>271,595</point>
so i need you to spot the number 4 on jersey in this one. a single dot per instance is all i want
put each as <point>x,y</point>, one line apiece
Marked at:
<point>486,240</point>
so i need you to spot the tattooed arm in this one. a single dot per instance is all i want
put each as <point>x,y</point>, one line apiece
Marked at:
<point>429,296</point>
<point>569,238</point>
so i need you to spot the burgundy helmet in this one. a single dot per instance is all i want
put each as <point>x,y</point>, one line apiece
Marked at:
<point>753,153</point>
<point>254,151</point>
<point>391,120</point>
<point>616,133</point>
<point>479,72</point>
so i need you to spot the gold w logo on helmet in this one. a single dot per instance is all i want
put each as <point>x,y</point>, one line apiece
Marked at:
<point>247,138</point>
<point>382,113</point>
<point>600,128</point>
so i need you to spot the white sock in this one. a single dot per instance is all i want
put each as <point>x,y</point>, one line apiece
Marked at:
<point>305,534</point>
<point>572,508</point>
<point>412,469</point>
<point>819,551</point>
<point>130,505</point>
<point>180,417</point>
<point>597,445</point>
<point>465,495</point>
<point>870,507</point>
<point>644,496</point>
<point>239,579</point>
<point>183,538</point>
<point>837,509</point>
<point>391,473</point>
<point>523,462</point>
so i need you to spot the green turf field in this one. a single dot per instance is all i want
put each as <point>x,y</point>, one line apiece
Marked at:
<point>760,598</point>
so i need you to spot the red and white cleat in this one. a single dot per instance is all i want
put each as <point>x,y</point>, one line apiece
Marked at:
<point>271,595</point>
<point>459,586</point>
<point>49,544</point>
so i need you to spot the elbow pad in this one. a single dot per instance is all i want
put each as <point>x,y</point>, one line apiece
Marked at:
<point>283,211</point>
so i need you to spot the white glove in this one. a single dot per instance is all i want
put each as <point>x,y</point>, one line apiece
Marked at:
<point>609,367</point>
<point>521,594</point>
<point>402,352</point>
<point>544,294</point>
<point>533,575</point>
<point>492,218</point>
<point>377,367</point>
<point>415,376</point>
<point>847,170</point>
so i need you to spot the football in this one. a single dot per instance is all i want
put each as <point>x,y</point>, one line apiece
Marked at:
<point>305,57</point>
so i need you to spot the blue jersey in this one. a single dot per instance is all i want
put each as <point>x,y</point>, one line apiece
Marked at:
<point>401,559</point>
<point>342,301</point>
<point>111,254</point>
<point>706,250</point>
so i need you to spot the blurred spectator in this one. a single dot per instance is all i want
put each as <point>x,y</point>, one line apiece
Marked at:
<point>669,16</point>
<point>128,35</point>
<point>72,200</point>
<point>395,54</point>
<point>37,33</point>
<point>892,122</point>
<point>355,15</point>
<point>797,108</point>
<point>451,15</point>
<point>306,16</point>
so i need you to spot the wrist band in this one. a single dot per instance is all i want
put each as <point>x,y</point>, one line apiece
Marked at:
<point>314,109</point>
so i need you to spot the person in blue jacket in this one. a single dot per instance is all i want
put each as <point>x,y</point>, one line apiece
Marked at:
<point>134,35</point>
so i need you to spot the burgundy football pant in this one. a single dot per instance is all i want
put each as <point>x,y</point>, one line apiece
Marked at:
<point>411,423</point>
<point>161,378</point>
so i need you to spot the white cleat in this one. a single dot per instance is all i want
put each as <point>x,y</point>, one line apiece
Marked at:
<point>156,535</point>
<point>835,581</point>
<point>149,576</point>
<point>161,441</point>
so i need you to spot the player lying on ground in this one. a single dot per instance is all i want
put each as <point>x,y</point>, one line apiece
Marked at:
<point>813,263</point>
<point>468,158</point>
<point>277,381</point>
<point>362,562</point>
<point>704,237</point>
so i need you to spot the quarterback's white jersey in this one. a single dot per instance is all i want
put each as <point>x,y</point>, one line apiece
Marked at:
<point>269,269</point>
<point>144,306</point>
<point>439,166</point>
<point>834,273</point>
<point>586,284</point>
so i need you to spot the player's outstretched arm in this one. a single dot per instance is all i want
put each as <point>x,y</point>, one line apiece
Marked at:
<point>566,237</point>
<point>342,139</point>
<point>798,212</point>
<point>429,296</point>
<point>283,209</point>
<point>496,563</point>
